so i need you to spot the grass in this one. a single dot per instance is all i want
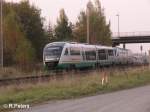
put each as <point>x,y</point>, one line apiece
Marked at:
<point>11,72</point>
<point>74,86</point>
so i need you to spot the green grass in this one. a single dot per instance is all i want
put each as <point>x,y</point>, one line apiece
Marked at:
<point>74,87</point>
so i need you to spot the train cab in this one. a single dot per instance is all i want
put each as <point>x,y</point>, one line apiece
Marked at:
<point>52,53</point>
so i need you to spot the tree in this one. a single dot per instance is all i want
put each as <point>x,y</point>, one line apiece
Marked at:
<point>98,6</point>
<point>63,29</point>
<point>17,49</point>
<point>99,29</point>
<point>32,25</point>
<point>50,32</point>
<point>25,54</point>
<point>11,34</point>
<point>80,31</point>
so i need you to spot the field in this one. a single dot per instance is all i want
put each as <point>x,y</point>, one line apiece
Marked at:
<point>72,86</point>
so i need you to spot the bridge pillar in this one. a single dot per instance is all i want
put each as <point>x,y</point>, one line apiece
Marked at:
<point>124,46</point>
<point>115,44</point>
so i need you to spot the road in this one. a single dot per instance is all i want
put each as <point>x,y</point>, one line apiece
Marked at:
<point>132,100</point>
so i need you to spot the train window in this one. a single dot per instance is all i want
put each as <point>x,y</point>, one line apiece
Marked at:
<point>74,51</point>
<point>110,52</point>
<point>102,54</point>
<point>53,51</point>
<point>90,55</point>
<point>66,51</point>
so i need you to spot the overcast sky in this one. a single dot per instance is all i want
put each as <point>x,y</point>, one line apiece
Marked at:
<point>134,14</point>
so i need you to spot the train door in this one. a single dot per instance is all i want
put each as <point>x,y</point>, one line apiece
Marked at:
<point>65,56</point>
<point>83,54</point>
<point>114,57</point>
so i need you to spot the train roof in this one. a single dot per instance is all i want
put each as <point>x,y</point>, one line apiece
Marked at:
<point>85,45</point>
<point>122,49</point>
<point>56,43</point>
<point>103,47</point>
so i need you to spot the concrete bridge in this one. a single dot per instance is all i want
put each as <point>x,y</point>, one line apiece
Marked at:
<point>130,37</point>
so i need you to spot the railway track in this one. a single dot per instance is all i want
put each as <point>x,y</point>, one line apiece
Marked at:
<point>19,80</point>
<point>54,75</point>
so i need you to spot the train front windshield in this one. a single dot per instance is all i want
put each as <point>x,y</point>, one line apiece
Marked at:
<point>53,51</point>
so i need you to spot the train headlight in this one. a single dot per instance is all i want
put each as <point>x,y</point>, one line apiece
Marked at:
<point>49,58</point>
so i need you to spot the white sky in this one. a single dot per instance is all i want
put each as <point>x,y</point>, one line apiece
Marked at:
<point>134,14</point>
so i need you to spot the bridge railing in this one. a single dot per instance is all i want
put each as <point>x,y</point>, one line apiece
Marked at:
<point>130,34</point>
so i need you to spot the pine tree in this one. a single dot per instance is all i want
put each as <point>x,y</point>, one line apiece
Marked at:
<point>50,32</point>
<point>63,29</point>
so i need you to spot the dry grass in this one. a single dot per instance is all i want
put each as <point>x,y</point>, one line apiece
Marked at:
<point>75,86</point>
<point>12,72</point>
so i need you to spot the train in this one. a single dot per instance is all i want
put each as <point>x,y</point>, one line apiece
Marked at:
<point>74,55</point>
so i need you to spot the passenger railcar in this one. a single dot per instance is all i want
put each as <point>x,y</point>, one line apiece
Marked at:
<point>71,55</point>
